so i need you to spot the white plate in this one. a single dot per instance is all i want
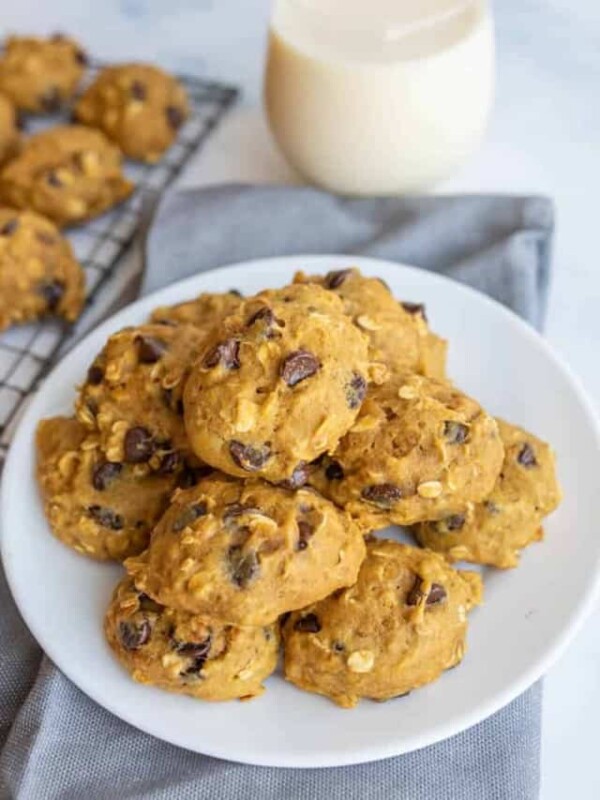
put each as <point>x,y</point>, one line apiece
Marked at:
<point>529,615</point>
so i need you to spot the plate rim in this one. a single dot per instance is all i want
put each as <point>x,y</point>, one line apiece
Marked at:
<point>366,753</point>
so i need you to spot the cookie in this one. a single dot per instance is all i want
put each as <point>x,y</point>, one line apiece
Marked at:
<point>185,653</point>
<point>398,628</point>
<point>103,510</point>
<point>138,106</point>
<point>279,383</point>
<point>39,274</point>
<point>41,75</point>
<point>493,532</point>
<point>9,130</point>
<point>205,311</point>
<point>419,450</point>
<point>244,552</point>
<point>132,394</point>
<point>68,173</point>
<point>398,332</point>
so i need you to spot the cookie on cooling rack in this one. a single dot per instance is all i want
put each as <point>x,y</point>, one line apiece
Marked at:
<point>69,174</point>
<point>186,653</point>
<point>138,106</point>
<point>398,628</point>
<point>39,274</point>
<point>41,75</point>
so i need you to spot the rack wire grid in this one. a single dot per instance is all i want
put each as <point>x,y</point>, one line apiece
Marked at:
<point>27,352</point>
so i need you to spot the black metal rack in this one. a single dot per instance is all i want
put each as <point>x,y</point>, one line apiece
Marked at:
<point>28,351</point>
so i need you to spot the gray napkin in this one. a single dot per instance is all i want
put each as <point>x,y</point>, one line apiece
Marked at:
<point>56,743</point>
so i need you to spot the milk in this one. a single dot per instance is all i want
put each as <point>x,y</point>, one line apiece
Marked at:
<point>370,97</point>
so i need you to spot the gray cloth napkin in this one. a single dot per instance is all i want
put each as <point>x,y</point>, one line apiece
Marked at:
<point>56,743</point>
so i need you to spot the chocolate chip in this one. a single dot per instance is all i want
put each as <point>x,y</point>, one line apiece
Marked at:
<point>106,517</point>
<point>138,445</point>
<point>234,510</point>
<point>236,293</point>
<point>53,179</point>
<point>264,314</point>
<point>104,473</point>
<point>384,495</point>
<point>137,90</point>
<point>146,603</point>
<point>81,58</point>
<point>169,463</point>
<point>455,432</point>
<point>197,651</point>
<point>249,457</point>
<point>298,477</point>
<point>437,594</point>
<point>225,353</point>
<point>174,117</point>
<point>189,515</point>
<point>356,391</point>
<point>244,566</point>
<point>9,227</point>
<point>50,100</point>
<point>134,635</point>
<point>491,507</point>
<point>334,471</point>
<point>338,647</point>
<point>52,292</point>
<point>415,308</point>
<point>298,366</point>
<point>95,375</point>
<point>20,120</point>
<point>526,457</point>
<point>333,280</point>
<point>454,522</point>
<point>305,532</point>
<point>150,349</point>
<point>309,623</point>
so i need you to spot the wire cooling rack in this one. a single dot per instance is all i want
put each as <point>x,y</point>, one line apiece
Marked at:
<point>27,351</point>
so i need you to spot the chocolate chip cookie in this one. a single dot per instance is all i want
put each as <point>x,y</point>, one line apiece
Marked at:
<point>206,311</point>
<point>398,628</point>
<point>279,383</point>
<point>102,509</point>
<point>68,173</point>
<point>132,395</point>
<point>244,552</point>
<point>41,75</point>
<point>493,532</point>
<point>39,274</point>
<point>419,450</point>
<point>187,654</point>
<point>398,332</point>
<point>138,106</point>
<point>9,131</point>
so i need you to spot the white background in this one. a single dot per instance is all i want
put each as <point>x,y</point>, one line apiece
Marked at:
<point>544,138</point>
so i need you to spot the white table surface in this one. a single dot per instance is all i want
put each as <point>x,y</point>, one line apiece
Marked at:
<point>544,138</point>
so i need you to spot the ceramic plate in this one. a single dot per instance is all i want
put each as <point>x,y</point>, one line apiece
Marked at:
<point>529,614</point>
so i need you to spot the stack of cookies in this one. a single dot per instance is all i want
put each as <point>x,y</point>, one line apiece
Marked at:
<point>239,454</point>
<point>68,174</point>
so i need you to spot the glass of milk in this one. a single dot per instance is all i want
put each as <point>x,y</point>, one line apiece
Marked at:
<point>376,97</point>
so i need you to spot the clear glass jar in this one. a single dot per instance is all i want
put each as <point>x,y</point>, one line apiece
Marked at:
<point>376,97</point>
